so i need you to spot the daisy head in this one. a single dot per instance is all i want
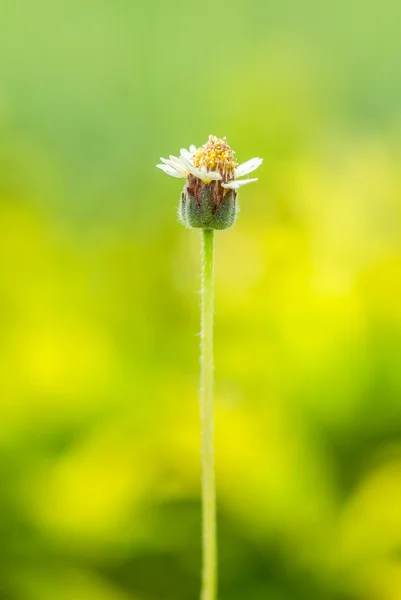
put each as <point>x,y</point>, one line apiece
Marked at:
<point>212,179</point>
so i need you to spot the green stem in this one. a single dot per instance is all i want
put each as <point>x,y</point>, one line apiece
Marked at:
<point>209,574</point>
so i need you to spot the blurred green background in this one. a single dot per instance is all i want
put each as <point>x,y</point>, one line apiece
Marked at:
<point>99,303</point>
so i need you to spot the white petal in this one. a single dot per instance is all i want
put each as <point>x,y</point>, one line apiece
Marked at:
<point>234,185</point>
<point>196,172</point>
<point>205,175</point>
<point>212,176</point>
<point>186,154</point>
<point>176,160</point>
<point>170,171</point>
<point>248,167</point>
<point>176,166</point>
<point>173,161</point>
<point>186,160</point>
<point>192,148</point>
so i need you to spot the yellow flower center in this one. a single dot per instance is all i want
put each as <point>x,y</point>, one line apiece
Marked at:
<point>216,155</point>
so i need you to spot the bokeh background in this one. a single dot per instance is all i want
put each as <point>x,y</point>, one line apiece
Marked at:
<point>99,302</point>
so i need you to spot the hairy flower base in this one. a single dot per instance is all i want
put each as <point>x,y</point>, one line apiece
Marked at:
<point>204,206</point>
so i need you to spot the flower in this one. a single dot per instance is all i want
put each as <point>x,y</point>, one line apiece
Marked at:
<point>214,161</point>
<point>212,173</point>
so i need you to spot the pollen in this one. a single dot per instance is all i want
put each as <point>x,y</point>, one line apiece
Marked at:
<point>216,155</point>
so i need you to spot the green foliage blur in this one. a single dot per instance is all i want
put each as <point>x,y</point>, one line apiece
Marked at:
<point>99,303</point>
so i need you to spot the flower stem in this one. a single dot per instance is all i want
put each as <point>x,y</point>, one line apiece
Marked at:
<point>209,558</point>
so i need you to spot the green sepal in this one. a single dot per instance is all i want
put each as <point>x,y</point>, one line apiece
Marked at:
<point>226,211</point>
<point>202,213</point>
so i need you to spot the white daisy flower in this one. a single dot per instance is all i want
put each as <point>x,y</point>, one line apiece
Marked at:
<point>214,161</point>
<point>209,197</point>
